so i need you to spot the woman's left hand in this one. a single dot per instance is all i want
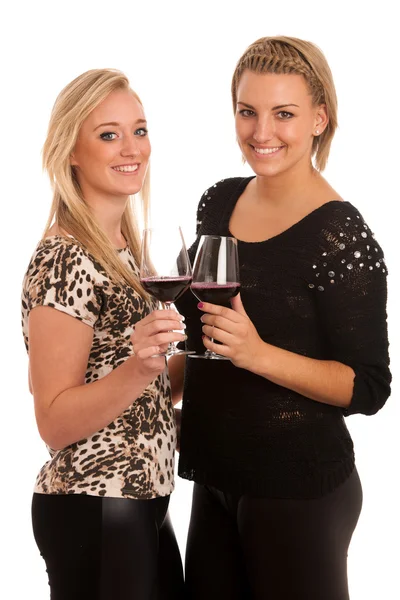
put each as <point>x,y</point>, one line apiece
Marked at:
<point>239,339</point>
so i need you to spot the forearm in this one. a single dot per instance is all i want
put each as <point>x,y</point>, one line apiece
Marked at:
<point>325,381</point>
<point>78,412</point>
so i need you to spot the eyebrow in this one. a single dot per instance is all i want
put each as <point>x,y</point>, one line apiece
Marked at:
<point>115,124</point>
<point>273,108</point>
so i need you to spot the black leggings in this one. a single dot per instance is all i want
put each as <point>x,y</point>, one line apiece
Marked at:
<point>107,548</point>
<point>271,549</point>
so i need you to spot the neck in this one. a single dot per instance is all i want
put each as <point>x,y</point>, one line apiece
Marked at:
<point>108,215</point>
<point>287,188</point>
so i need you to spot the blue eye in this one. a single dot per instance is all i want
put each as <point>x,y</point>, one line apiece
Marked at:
<point>108,136</point>
<point>141,132</point>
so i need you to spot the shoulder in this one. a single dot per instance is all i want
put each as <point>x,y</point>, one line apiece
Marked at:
<point>222,188</point>
<point>57,260</point>
<point>59,250</point>
<point>346,248</point>
<point>62,275</point>
<point>343,226</point>
<point>218,194</point>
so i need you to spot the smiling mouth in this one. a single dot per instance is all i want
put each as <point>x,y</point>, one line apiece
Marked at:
<point>264,151</point>
<point>126,168</point>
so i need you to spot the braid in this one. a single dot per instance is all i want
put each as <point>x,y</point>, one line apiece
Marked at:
<point>285,55</point>
<point>269,55</point>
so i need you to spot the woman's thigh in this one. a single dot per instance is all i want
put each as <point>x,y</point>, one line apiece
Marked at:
<point>102,548</point>
<point>170,571</point>
<point>214,566</point>
<point>297,549</point>
<point>129,549</point>
<point>67,531</point>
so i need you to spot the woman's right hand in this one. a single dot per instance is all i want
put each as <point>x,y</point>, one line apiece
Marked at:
<point>152,335</point>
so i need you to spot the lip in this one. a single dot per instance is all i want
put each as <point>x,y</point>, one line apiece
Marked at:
<point>275,150</point>
<point>127,173</point>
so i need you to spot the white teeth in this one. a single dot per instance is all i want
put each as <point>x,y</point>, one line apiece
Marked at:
<point>267,150</point>
<point>126,168</point>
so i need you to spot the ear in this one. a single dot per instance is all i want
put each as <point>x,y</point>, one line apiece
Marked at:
<point>321,120</point>
<point>72,160</point>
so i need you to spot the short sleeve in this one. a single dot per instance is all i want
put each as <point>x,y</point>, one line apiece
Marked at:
<point>61,275</point>
<point>349,279</point>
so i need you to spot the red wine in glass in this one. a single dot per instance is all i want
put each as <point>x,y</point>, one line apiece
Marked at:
<point>165,270</point>
<point>216,276</point>
<point>166,289</point>
<point>214,293</point>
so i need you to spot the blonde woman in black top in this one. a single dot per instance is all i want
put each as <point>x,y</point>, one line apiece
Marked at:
<point>277,495</point>
<point>102,402</point>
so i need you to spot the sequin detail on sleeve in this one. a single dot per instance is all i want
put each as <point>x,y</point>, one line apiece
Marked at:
<point>349,250</point>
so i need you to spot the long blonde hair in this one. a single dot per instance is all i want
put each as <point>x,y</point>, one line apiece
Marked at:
<point>69,210</point>
<point>281,54</point>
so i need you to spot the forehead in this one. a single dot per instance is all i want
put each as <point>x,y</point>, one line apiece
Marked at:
<point>272,88</point>
<point>119,106</point>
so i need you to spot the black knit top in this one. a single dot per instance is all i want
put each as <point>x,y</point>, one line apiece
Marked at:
<point>318,289</point>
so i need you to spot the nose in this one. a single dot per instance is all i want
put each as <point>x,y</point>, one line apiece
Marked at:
<point>130,146</point>
<point>265,130</point>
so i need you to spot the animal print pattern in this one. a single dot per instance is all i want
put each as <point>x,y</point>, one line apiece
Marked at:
<point>134,455</point>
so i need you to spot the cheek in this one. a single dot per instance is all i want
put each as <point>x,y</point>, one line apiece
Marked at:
<point>296,133</point>
<point>97,155</point>
<point>146,149</point>
<point>243,130</point>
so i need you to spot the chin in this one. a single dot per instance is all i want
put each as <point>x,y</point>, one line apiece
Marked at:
<point>266,170</point>
<point>130,190</point>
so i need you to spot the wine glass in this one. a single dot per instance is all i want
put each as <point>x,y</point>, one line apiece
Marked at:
<point>165,270</point>
<point>215,276</point>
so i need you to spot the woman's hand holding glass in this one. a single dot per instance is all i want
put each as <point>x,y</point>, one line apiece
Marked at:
<point>238,337</point>
<point>151,337</point>
<point>215,277</point>
<point>165,270</point>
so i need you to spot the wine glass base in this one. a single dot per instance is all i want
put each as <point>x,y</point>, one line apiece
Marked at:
<point>209,356</point>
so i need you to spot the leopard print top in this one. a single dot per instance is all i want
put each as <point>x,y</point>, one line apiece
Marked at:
<point>134,455</point>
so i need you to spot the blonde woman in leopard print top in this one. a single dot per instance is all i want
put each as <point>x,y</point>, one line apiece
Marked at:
<point>102,402</point>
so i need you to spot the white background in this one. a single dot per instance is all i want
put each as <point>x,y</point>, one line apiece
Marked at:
<point>180,57</point>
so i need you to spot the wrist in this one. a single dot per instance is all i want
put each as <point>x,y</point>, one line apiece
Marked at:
<point>135,375</point>
<point>142,373</point>
<point>262,360</point>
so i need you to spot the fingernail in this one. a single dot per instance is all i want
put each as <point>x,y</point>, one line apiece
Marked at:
<point>182,318</point>
<point>200,305</point>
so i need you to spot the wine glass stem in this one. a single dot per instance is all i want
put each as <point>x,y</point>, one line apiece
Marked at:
<point>171,346</point>
<point>211,352</point>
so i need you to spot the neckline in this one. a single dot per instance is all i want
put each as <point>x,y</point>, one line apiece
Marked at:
<point>71,237</point>
<point>235,197</point>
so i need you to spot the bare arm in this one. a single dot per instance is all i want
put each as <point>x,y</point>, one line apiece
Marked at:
<point>30,379</point>
<point>66,408</point>
<point>326,381</point>
<point>362,388</point>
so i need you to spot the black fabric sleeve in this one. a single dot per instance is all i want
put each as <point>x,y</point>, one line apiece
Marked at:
<point>351,295</point>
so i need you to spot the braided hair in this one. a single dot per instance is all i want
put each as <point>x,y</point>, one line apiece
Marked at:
<point>282,55</point>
